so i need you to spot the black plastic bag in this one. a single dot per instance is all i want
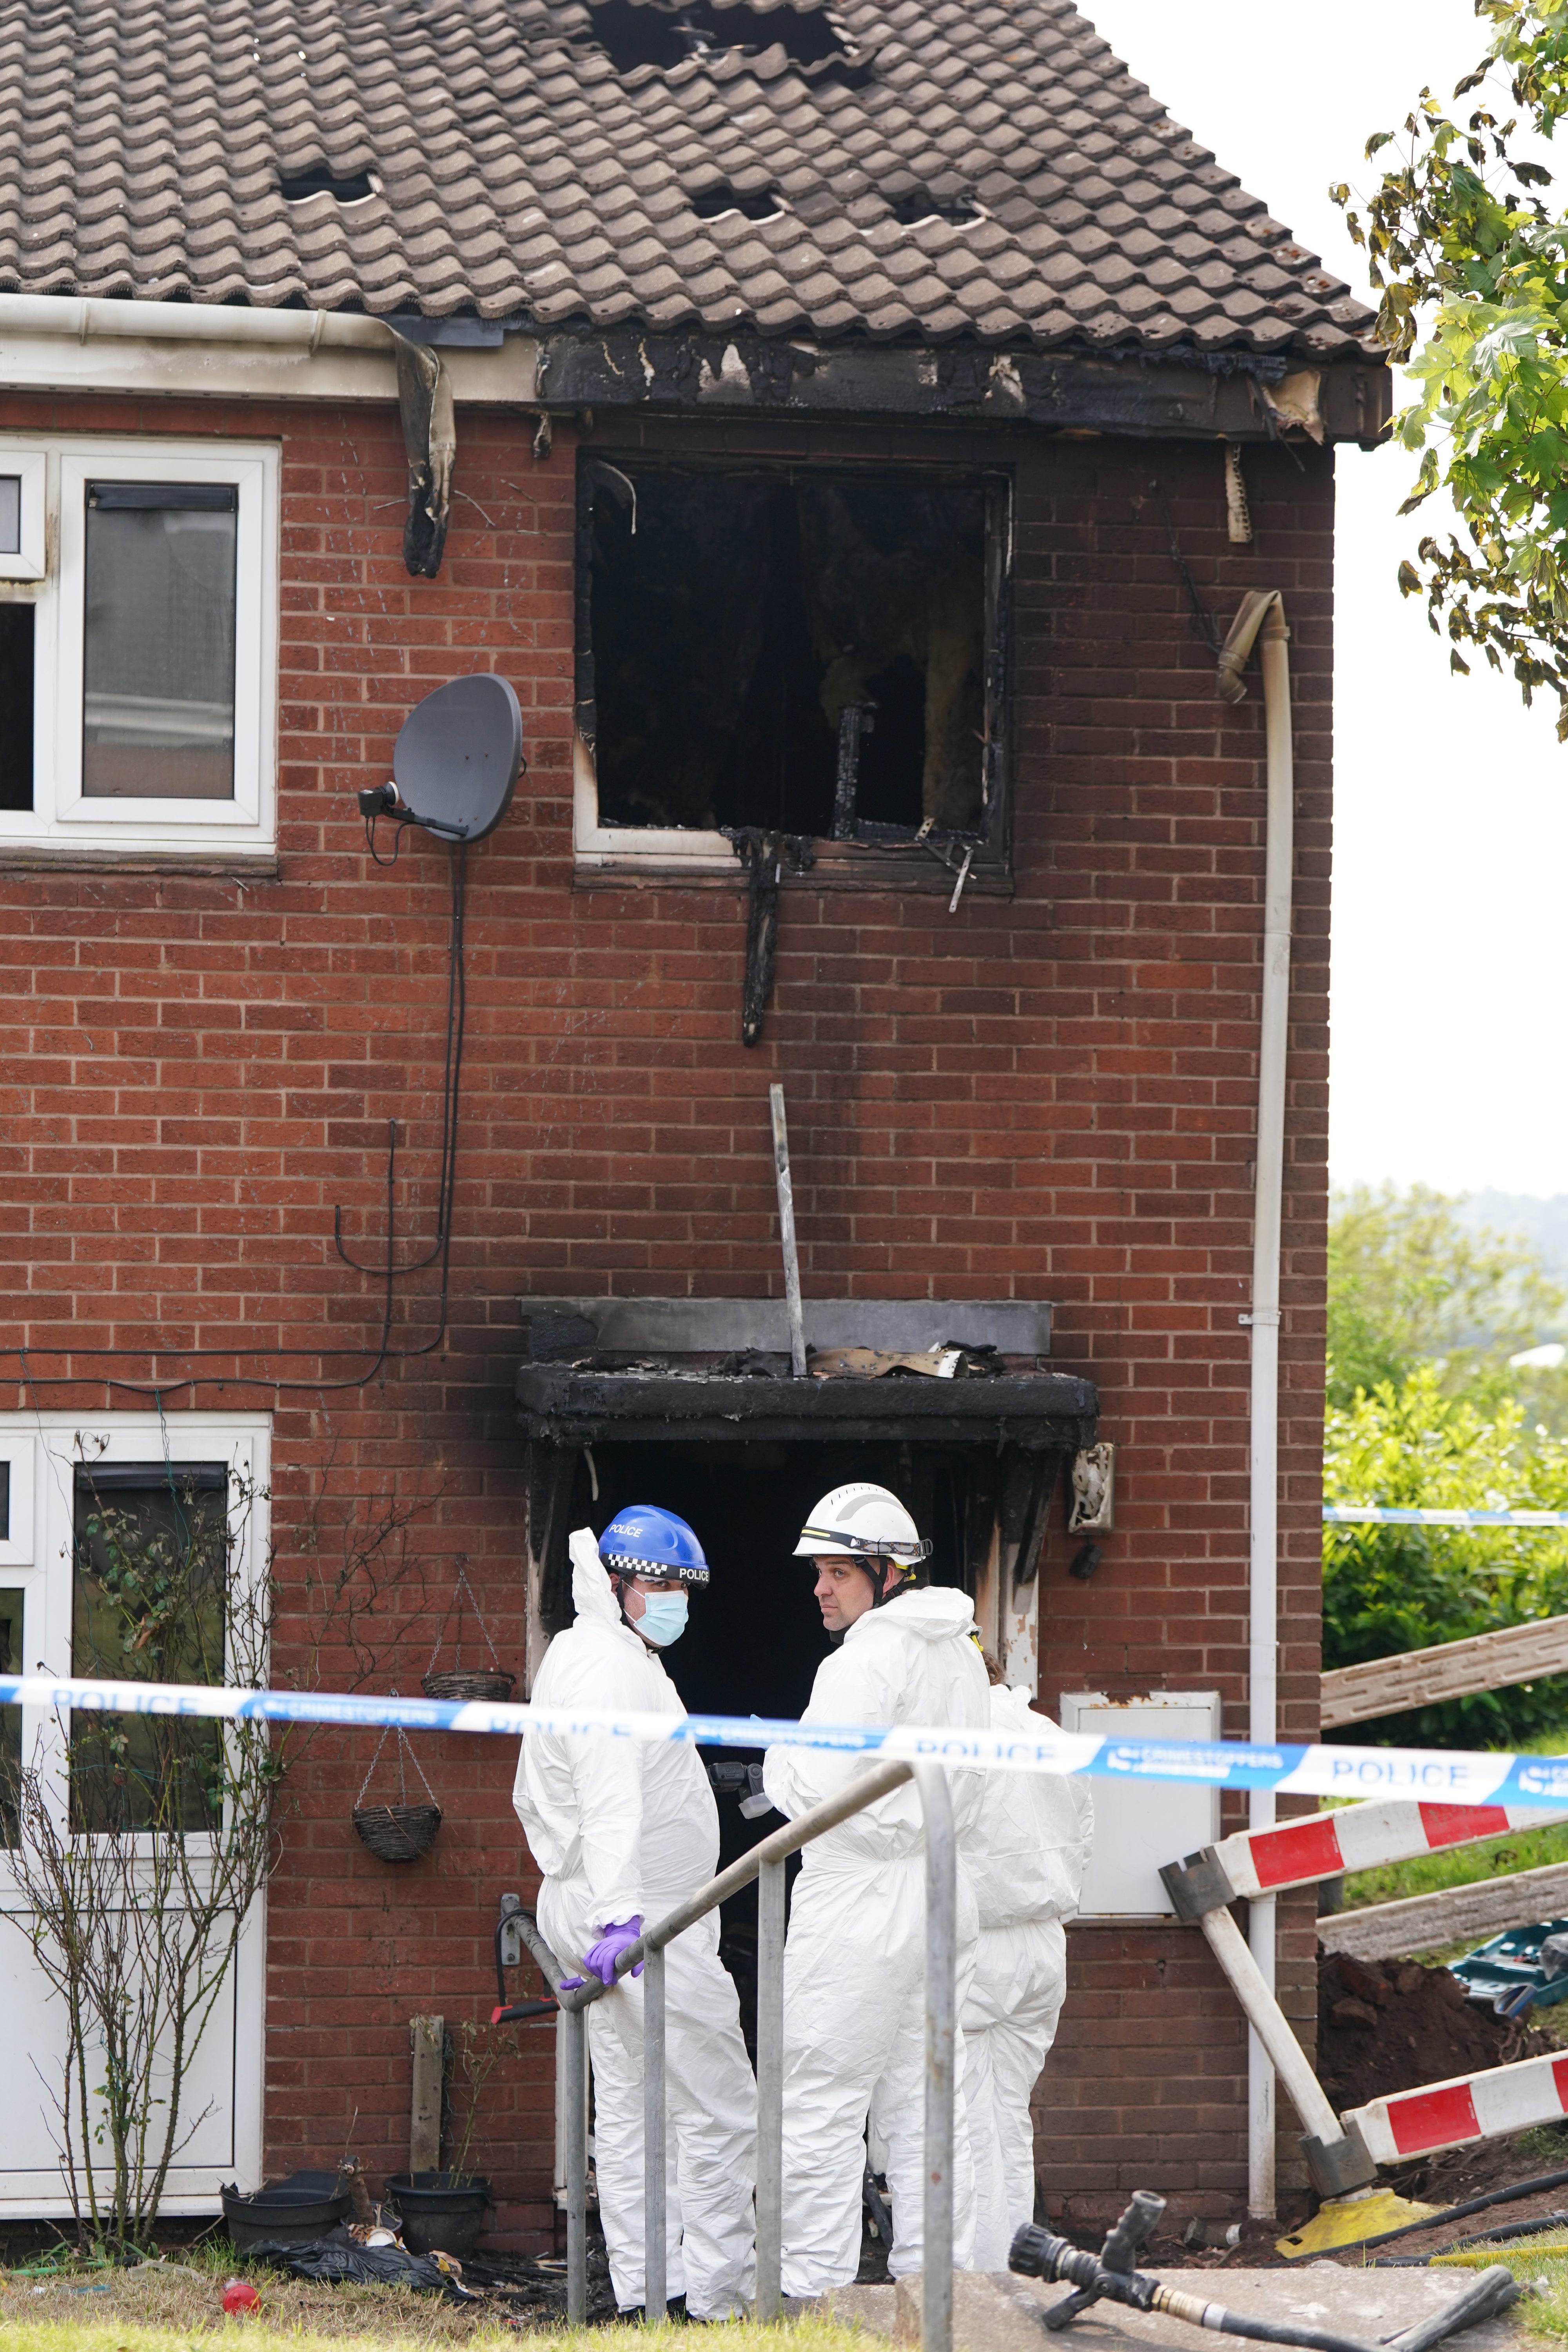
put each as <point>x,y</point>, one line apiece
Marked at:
<point>337,2257</point>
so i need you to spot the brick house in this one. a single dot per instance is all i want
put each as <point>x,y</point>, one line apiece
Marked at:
<point>859,416</point>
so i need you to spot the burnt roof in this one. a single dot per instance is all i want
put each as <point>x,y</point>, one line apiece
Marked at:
<point>903,170</point>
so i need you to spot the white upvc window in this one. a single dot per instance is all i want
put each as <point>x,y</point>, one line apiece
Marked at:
<point>55,1469</point>
<point>137,645</point>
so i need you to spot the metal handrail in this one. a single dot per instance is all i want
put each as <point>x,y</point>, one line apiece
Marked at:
<point>766,1862</point>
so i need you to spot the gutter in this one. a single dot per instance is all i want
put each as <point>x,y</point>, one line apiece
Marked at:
<point>81,317</point>
<point>67,343</point>
<point>228,351</point>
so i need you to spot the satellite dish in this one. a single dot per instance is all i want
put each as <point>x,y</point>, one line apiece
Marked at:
<point>458,756</point>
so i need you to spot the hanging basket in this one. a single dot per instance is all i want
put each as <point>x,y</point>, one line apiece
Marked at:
<point>468,1681</point>
<point>399,1832</point>
<point>458,1681</point>
<point>396,1832</point>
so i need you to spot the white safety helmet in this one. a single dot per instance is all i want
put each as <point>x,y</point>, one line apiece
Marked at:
<point>864,1524</point>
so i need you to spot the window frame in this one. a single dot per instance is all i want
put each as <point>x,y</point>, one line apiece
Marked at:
<point>31,561</point>
<point>62,816</point>
<point>16,1546</point>
<point>697,853</point>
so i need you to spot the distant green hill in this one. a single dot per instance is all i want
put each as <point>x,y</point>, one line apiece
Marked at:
<point>1542,1221</point>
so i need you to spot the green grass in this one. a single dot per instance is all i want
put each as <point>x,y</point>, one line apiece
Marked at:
<point>352,2317</point>
<point>1459,1866</point>
<point>1544,2312</point>
<point>733,2335</point>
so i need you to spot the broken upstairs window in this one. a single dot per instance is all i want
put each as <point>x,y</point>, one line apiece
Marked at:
<point>811,651</point>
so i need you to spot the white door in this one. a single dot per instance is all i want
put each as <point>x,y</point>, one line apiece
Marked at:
<point>52,1468</point>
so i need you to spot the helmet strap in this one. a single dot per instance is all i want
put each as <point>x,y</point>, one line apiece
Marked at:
<point>882,1590</point>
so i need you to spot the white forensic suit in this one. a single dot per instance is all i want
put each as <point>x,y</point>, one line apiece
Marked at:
<point>854,1999</point>
<point>1027,1859</point>
<point>622,1830</point>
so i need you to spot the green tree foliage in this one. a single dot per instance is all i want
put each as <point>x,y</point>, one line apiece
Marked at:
<point>1423,1411</point>
<point>1409,1281</point>
<point>1390,1589</point>
<point>1471,264</point>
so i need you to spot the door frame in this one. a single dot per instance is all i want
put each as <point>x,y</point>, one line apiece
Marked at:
<point>45,1450</point>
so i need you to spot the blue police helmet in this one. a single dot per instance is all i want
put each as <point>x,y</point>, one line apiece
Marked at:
<point>643,1540</point>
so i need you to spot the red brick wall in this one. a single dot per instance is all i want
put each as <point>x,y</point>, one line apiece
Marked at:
<point>1052,1095</point>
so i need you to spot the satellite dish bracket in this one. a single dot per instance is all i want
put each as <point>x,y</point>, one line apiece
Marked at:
<point>384,800</point>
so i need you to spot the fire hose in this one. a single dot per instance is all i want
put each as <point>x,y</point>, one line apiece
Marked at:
<point>1035,2253</point>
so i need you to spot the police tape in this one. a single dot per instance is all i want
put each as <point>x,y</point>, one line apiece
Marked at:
<point>1452,1777</point>
<point>1389,1515</point>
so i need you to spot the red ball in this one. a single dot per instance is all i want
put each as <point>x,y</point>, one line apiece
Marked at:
<point>238,2294</point>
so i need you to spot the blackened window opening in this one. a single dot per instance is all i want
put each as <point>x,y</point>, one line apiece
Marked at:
<point>16,707</point>
<point>733,617</point>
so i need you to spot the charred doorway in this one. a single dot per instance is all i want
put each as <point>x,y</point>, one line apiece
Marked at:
<point>755,1636</point>
<point>727,1439</point>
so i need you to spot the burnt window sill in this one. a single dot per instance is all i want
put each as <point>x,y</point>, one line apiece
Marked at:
<point>837,868</point>
<point>619,855</point>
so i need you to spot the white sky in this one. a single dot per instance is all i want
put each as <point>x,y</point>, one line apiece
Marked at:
<point>1451,840</point>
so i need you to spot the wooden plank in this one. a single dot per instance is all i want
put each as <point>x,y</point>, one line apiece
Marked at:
<point>1516,1654</point>
<point>428,2036</point>
<point>1424,1923</point>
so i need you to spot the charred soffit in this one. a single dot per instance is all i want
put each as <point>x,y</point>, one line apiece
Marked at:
<point>1175,393</point>
<point>587,1379</point>
<point>978,1457</point>
<point>703,1400</point>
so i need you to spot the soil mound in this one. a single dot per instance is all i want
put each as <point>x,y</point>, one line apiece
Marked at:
<point>1394,2026</point>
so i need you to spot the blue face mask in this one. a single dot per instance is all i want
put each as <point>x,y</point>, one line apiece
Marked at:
<point>663,1619</point>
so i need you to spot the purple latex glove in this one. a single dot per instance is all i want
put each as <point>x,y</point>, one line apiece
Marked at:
<point>600,1959</point>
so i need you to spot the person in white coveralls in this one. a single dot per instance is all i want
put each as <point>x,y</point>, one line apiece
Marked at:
<point>622,1832</point>
<point>1027,1859</point>
<point>854,2002</point>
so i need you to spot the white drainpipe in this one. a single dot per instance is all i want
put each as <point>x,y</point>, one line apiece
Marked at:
<point>1264,611</point>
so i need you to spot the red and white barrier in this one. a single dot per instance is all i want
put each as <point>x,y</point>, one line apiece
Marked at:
<point>1469,2107</point>
<point>1342,2151</point>
<point>1360,1837</point>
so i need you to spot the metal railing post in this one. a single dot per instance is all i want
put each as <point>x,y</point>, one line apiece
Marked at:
<point>942,2002</point>
<point>769,2088</point>
<point>572,2129</point>
<point>577,2167</point>
<point>654,2109</point>
<point>765,1861</point>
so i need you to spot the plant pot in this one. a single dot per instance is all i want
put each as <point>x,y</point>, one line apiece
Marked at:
<point>466,1684</point>
<point>396,1832</point>
<point>293,2212</point>
<point>440,2215</point>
